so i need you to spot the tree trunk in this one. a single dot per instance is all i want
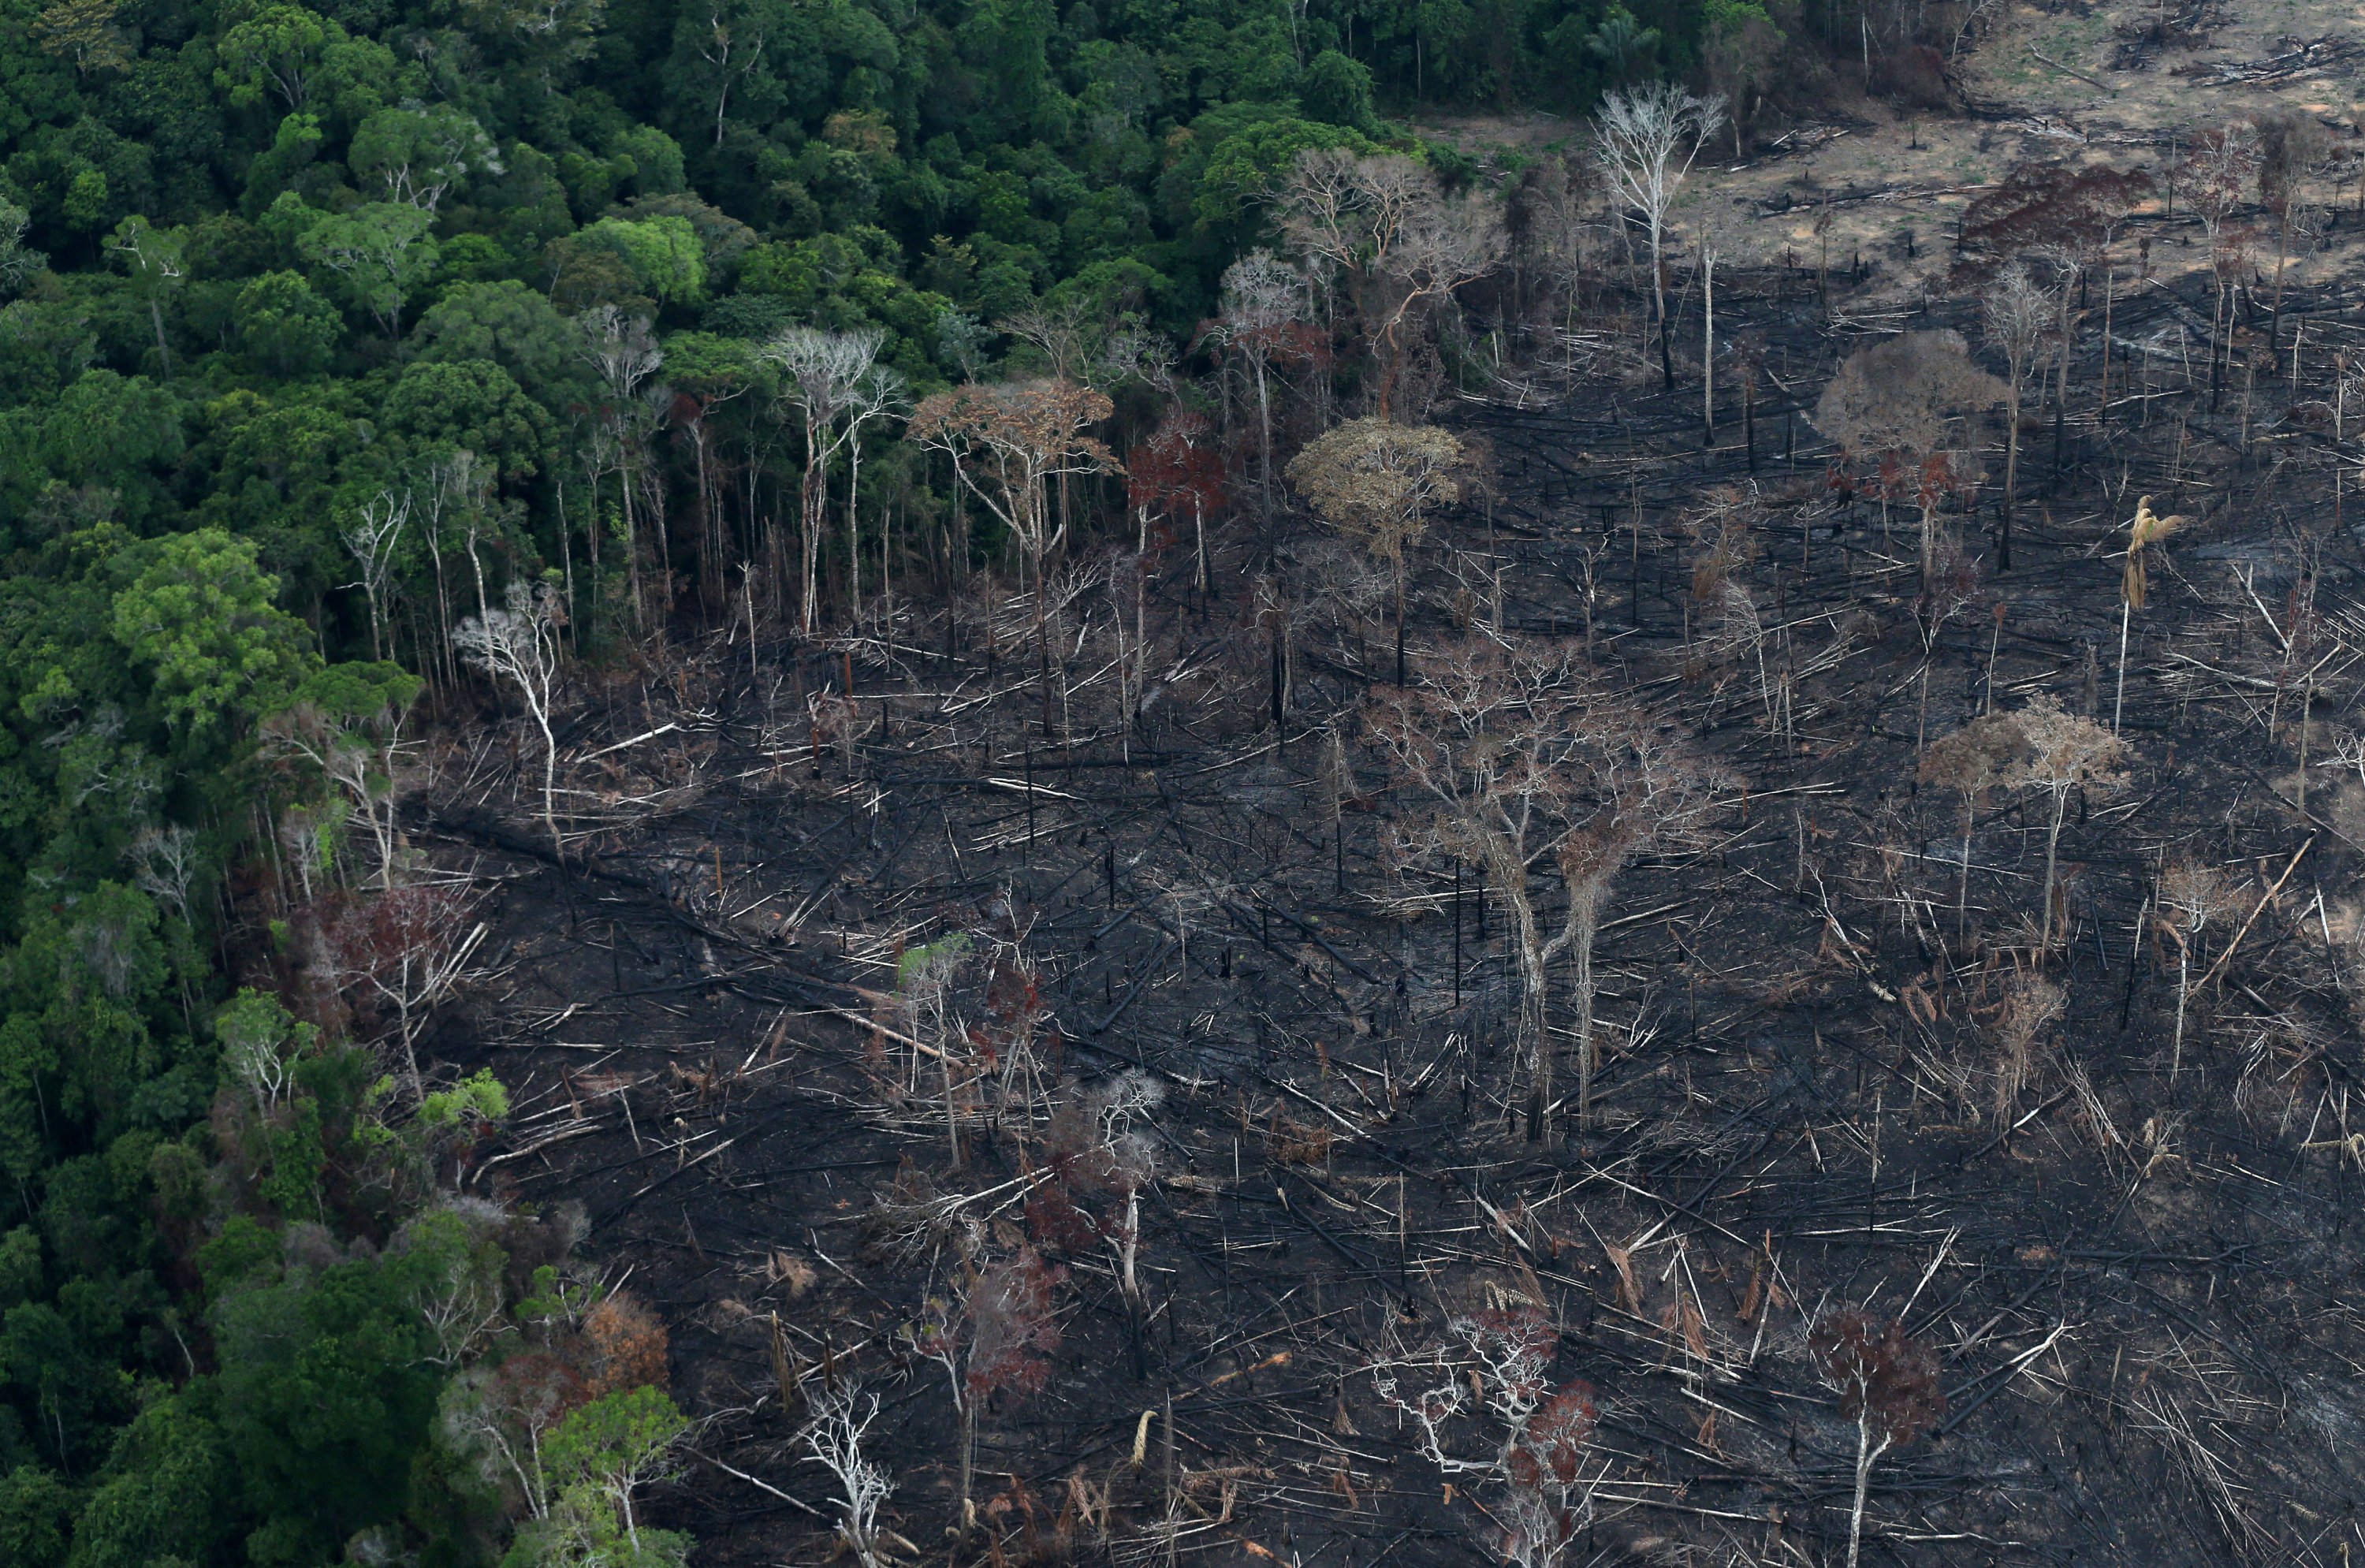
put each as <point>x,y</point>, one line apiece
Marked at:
<point>1707,341</point>
<point>1587,923</point>
<point>156,318</point>
<point>2010,475</point>
<point>1866,1451</point>
<point>2052,850</point>
<point>1533,981</point>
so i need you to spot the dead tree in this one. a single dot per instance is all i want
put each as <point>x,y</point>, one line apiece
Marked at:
<point>1645,140</point>
<point>1888,1383</point>
<point>841,1417</point>
<point>519,646</point>
<point>1498,1362</point>
<point>624,353</point>
<point>1520,754</point>
<point>1971,761</point>
<point>403,954</point>
<point>346,723</point>
<point>2292,145</point>
<point>2135,584</point>
<point>826,377</point>
<point>2216,178</point>
<point>993,1341</point>
<point>1178,473</point>
<point>1008,441</point>
<point>1259,316</point>
<point>2061,217</point>
<point>2063,753</point>
<point>2013,311</point>
<point>371,539</point>
<point>1906,400</point>
<point>1376,482</point>
<point>2192,894</point>
<point>1384,227</point>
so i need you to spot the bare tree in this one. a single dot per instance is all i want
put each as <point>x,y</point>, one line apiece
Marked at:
<point>2192,894</point>
<point>520,644</point>
<point>2216,178</point>
<point>1888,1383</point>
<point>347,725</point>
<point>826,373</point>
<point>879,393</point>
<point>1971,761</point>
<point>404,952</point>
<point>1382,221</point>
<point>833,1439</point>
<point>1263,298</point>
<point>1008,441</point>
<point>993,1339</point>
<point>370,538</point>
<point>1645,140</point>
<point>1523,758</point>
<point>1376,482</point>
<point>2013,311</point>
<point>622,350</point>
<point>2063,753</point>
<point>2293,144</point>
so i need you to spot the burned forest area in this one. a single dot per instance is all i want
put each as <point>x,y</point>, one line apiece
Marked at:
<point>1112,1040</point>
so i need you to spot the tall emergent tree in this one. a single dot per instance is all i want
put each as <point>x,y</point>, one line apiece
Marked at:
<point>1523,758</point>
<point>1645,140</point>
<point>1009,441</point>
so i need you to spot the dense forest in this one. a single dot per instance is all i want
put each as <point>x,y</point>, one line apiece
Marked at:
<point>403,395</point>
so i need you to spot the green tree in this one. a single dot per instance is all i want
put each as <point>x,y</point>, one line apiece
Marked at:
<point>279,51</point>
<point>381,252</point>
<point>326,1396</point>
<point>284,327</point>
<point>200,617</point>
<point>663,253</point>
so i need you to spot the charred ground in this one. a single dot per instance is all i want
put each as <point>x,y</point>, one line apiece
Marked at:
<point>2137,1285</point>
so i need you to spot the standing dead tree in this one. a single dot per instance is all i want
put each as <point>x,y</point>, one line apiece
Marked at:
<point>833,1439</point>
<point>2293,144</point>
<point>1521,756</point>
<point>1382,224</point>
<point>1499,1359</point>
<point>371,539</point>
<point>1178,473</point>
<point>519,646</point>
<point>2056,216</point>
<point>2013,311</point>
<point>346,723</point>
<point>403,954</point>
<point>1260,318</point>
<point>2064,752</point>
<point>2216,179</point>
<point>829,378</point>
<point>1906,400</point>
<point>993,1339</point>
<point>1645,140</point>
<point>2135,585</point>
<point>2192,894</point>
<point>1008,441</point>
<point>1376,482</point>
<point>1971,761</point>
<point>624,353</point>
<point>1888,1383</point>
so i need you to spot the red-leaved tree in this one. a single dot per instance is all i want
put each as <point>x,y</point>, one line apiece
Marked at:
<point>994,1341</point>
<point>1888,1383</point>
